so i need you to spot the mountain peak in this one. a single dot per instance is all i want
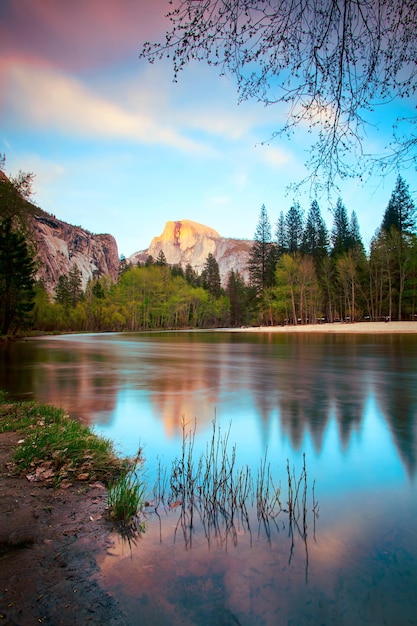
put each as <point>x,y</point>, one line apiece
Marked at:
<point>186,242</point>
<point>184,234</point>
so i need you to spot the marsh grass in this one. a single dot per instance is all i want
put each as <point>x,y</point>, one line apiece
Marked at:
<point>212,492</point>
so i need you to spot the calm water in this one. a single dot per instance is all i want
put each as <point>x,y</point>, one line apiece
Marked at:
<point>349,403</point>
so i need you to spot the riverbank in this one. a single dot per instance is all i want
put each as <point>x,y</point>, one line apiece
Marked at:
<point>368,328</point>
<point>50,535</point>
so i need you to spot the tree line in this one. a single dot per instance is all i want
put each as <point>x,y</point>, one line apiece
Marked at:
<point>300,274</point>
<point>306,274</point>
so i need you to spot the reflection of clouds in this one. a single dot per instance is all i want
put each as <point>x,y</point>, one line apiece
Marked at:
<point>304,380</point>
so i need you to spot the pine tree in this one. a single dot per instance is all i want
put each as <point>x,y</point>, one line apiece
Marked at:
<point>294,227</point>
<point>401,211</point>
<point>341,239</point>
<point>355,234</point>
<point>315,236</point>
<point>68,291</point>
<point>281,235</point>
<point>237,293</point>
<point>17,271</point>
<point>161,259</point>
<point>210,276</point>
<point>191,276</point>
<point>262,255</point>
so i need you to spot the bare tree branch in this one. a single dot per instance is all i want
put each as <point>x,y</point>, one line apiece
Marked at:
<point>330,61</point>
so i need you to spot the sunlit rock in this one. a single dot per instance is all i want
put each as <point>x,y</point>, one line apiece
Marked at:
<point>186,242</point>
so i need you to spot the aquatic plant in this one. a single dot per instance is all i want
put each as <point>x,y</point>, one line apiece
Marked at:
<point>212,491</point>
<point>126,494</point>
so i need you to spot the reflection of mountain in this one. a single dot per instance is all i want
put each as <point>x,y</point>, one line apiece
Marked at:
<point>76,380</point>
<point>302,381</point>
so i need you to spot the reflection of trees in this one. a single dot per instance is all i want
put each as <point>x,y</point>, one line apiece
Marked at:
<point>396,396</point>
<point>306,379</point>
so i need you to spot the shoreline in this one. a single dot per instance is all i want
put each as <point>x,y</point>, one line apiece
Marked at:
<point>365,328</point>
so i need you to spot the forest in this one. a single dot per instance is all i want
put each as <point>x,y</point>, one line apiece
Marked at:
<point>300,273</point>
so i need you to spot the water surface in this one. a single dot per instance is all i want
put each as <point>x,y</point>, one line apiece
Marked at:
<point>348,402</point>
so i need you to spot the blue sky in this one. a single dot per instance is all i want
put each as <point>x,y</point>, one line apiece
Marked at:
<point>117,147</point>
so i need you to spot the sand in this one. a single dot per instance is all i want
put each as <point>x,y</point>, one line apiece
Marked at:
<point>336,327</point>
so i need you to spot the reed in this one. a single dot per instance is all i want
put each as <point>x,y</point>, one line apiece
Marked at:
<point>210,489</point>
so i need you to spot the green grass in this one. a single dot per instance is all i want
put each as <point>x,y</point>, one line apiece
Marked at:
<point>55,448</point>
<point>126,496</point>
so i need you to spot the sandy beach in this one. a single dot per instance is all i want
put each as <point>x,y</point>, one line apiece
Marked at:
<point>369,328</point>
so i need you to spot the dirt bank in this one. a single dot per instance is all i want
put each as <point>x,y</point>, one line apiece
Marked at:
<point>48,542</point>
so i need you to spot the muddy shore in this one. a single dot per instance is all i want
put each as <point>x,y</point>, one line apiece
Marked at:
<point>49,539</point>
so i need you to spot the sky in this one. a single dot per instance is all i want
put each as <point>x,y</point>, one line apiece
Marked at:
<point>117,147</point>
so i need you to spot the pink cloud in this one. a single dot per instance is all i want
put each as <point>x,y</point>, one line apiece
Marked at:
<point>79,35</point>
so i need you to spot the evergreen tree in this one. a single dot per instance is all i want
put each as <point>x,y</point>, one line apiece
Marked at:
<point>210,276</point>
<point>68,291</point>
<point>124,265</point>
<point>401,211</point>
<point>341,236</point>
<point>281,235</point>
<point>237,293</point>
<point>17,271</point>
<point>262,255</point>
<point>294,228</point>
<point>315,236</point>
<point>355,235</point>
<point>161,259</point>
<point>191,276</point>
<point>176,270</point>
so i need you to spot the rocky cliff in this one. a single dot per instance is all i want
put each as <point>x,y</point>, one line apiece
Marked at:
<point>185,242</point>
<point>60,245</point>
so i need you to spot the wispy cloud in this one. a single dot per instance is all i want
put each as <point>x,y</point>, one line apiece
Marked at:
<point>275,157</point>
<point>45,98</point>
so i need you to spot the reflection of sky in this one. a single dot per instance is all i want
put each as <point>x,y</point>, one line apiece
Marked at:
<point>367,463</point>
<point>348,403</point>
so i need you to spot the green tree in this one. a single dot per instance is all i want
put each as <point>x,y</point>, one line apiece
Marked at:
<point>161,259</point>
<point>341,236</point>
<point>355,234</point>
<point>315,240</point>
<point>294,228</point>
<point>17,251</point>
<point>68,291</point>
<point>17,277</point>
<point>401,211</point>
<point>281,235</point>
<point>210,276</point>
<point>15,193</point>
<point>262,255</point>
<point>237,293</point>
<point>191,276</point>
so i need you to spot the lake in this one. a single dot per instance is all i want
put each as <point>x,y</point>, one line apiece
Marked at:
<point>347,404</point>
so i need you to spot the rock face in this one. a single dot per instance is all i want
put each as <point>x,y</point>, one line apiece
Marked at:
<point>60,245</point>
<point>185,242</point>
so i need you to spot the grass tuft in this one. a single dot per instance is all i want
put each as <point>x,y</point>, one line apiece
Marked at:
<point>125,496</point>
<point>55,448</point>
